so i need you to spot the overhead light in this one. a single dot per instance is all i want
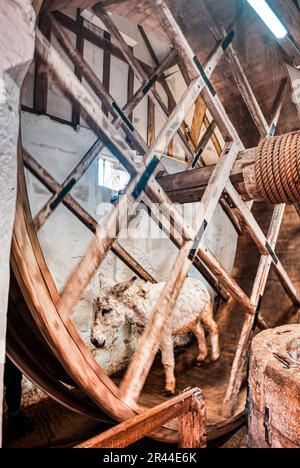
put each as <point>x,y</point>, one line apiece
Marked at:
<point>268,16</point>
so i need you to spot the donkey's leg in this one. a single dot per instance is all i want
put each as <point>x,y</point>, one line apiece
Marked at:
<point>213,329</point>
<point>167,357</point>
<point>199,333</point>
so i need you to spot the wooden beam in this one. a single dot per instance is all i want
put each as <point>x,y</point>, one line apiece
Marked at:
<point>37,5</point>
<point>41,74</point>
<point>202,144</point>
<point>259,238</point>
<point>188,406</point>
<point>289,14</point>
<point>206,122</point>
<point>151,131</point>
<point>78,72</point>
<point>239,75</point>
<point>110,105</point>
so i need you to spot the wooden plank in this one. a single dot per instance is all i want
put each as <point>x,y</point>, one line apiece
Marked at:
<point>206,122</point>
<point>41,75</point>
<point>198,120</point>
<point>202,145</point>
<point>130,89</point>
<point>188,405</point>
<point>192,426</point>
<point>106,71</point>
<point>133,63</point>
<point>78,72</point>
<point>54,187</point>
<point>262,243</point>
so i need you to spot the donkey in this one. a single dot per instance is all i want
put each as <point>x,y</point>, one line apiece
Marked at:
<point>133,301</point>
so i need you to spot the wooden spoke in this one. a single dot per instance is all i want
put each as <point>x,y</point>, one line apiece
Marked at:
<point>148,344</point>
<point>258,290</point>
<point>262,243</point>
<point>134,64</point>
<point>184,126</point>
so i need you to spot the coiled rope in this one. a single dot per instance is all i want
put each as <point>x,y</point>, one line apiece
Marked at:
<point>277,169</point>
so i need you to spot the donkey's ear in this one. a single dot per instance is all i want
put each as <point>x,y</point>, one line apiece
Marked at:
<point>122,287</point>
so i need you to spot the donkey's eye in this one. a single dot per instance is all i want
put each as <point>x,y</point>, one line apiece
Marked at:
<point>105,312</point>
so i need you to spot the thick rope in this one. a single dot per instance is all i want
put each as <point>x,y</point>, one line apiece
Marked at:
<point>277,169</point>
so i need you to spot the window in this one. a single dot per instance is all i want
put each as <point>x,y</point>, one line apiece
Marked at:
<point>111,176</point>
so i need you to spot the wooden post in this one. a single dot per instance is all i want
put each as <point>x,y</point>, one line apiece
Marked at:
<point>17,51</point>
<point>258,290</point>
<point>192,424</point>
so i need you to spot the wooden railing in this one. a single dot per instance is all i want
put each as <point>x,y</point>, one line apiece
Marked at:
<point>190,409</point>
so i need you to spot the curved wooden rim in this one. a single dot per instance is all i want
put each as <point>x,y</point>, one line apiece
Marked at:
<point>41,296</point>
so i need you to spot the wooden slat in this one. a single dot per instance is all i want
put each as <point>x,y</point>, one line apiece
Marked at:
<point>141,362</point>
<point>198,120</point>
<point>189,406</point>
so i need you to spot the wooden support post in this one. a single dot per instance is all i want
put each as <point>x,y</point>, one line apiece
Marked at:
<point>17,21</point>
<point>189,407</point>
<point>237,373</point>
<point>135,65</point>
<point>262,243</point>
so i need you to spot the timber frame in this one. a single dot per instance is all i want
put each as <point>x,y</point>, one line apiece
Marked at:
<point>145,187</point>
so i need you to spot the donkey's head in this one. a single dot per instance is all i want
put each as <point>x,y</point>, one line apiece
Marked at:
<point>109,312</point>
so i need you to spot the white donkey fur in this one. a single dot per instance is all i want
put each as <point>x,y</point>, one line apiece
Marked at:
<point>133,302</point>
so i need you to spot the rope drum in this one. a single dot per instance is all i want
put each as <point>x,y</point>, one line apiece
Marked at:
<point>277,169</point>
